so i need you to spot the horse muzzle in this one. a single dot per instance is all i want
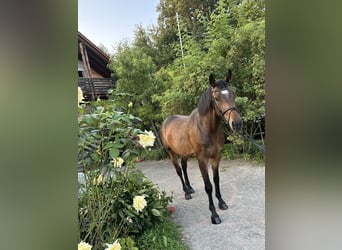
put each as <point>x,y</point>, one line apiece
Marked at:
<point>232,118</point>
<point>237,125</point>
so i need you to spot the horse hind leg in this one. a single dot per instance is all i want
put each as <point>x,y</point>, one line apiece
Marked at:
<point>179,172</point>
<point>184,162</point>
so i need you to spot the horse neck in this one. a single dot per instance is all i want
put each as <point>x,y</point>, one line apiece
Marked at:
<point>211,120</point>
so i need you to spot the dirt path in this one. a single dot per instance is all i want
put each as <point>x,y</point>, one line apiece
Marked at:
<point>243,189</point>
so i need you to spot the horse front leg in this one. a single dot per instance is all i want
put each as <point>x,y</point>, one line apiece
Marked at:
<point>215,219</point>
<point>216,177</point>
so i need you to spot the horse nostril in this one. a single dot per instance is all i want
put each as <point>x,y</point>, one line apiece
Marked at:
<point>237,125</point>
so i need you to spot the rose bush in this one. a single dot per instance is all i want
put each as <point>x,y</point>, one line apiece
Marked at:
<point>118,201</point>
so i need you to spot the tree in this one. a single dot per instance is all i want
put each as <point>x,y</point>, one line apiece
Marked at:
<point>236,34</point>
<point>137,83</point>
<point>216,35</point>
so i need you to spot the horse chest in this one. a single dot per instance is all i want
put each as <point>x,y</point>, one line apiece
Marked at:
<point>210,145</point>
<point>212,149</point>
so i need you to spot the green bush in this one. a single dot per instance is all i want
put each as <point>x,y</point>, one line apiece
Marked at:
<point>117,201</point>
<point>165,236</point>
<point>232,151</point>
<point>106,209</point>
<point>106,133</point>
<point>154,154</point>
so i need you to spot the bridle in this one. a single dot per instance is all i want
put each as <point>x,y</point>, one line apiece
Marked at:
<point>222,113</point>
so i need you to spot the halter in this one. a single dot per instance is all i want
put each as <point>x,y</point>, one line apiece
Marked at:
<point>222,113</point>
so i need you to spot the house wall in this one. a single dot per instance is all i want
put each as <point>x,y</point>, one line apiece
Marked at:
<point>93,73</point>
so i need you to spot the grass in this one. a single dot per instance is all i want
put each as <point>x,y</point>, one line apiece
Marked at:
<point>164,236</point>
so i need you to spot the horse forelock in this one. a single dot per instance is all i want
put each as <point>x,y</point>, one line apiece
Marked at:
<point>221,84</point>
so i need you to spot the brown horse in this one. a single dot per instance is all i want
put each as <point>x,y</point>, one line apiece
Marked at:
<point>200,135</point>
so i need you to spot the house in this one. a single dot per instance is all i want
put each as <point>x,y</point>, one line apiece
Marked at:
<point>94,77</point>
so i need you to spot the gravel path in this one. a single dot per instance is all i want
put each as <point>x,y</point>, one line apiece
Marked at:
<point>243,189</point>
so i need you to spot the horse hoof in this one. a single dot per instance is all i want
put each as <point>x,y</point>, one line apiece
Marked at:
<point>223,206</point>
<point>215,220</point>
<point>188,196</point>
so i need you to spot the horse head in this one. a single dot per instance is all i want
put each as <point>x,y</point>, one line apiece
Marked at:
<point>223,98</point>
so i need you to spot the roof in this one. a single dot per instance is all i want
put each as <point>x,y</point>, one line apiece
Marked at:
<point>98,59</point>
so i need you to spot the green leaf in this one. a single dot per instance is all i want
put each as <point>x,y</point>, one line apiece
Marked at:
<point>108,145</point>
<point>114,152</point>
<point>118,145</point>
<point>155,212</point>
<point>165,240</point>
<point>88,119</point>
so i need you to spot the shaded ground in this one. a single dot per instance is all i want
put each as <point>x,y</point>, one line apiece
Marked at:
<point>243,189</point>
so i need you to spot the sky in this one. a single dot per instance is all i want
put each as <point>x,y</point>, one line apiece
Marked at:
<point>108,22</point>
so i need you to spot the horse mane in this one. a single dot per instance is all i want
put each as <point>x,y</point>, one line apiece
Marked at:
<point>205,102</point>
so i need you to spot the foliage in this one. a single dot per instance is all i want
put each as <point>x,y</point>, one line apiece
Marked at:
<point>235,151</point>
<point>138,83</point>
<point>190,12</point>
<point>106,210</point>
<point>216,35</point>
<point>163,236</point>
<point>135,70</point>
<point>106,204</point>
<point>106,133</point>
<point>236,35</point>
<point>188,82</point>
<point>128,243</point>
<point>154,154</point>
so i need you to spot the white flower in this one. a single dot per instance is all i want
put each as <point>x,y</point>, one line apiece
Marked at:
<point>139,203</point>
<point>84,246</point>
<point>147,139</point>
<point>129,219</point>
<point>118,161</point>
<point>130,105</point>
<point>115,246</point>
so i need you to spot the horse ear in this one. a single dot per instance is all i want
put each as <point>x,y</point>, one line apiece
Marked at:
<point>212,80</point>
<point>228,76</point>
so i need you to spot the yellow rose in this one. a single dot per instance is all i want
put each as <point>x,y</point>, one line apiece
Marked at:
<point>80,95</point>
<point>98,180</point>
<point>139,203</point>
<point>147,139</point>
<point>118,161</point>
<point>115,246</point>
<point>84,246</point>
